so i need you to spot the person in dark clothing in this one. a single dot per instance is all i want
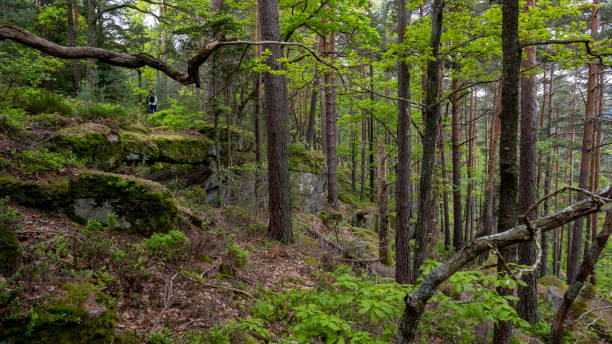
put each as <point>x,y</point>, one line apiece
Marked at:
<point>152,100</point>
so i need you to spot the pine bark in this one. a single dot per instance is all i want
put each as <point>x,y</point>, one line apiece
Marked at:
<point>330,135</point>
<point>587,144</point>
<point>403,200</point>
<point>528,298</point>
<point>276,124</point>
<point>76,74</point>
<point>508,186</point>
<point>456,160</point>
<point>383,213</point>
<point>429,139</point>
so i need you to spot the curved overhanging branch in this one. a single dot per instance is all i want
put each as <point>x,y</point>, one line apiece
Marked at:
<point>416,301</point>
<point>114,58</point>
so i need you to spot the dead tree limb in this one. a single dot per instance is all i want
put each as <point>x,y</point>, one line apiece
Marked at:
<point>21,36</point>
<point>586,268</point>
<point>416,301</point>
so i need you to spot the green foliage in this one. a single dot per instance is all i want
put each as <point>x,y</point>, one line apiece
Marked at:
<point>32,162</point>
<point>233,251</point>
<point>160,337</point>
<point>177,117</point>
<point>38,101</point>
<point>8,215</point>
<point>172,245</point>
<point>13,120</point>
<point>94,226</point>
<point>23,65</point>
<point>95,110</point>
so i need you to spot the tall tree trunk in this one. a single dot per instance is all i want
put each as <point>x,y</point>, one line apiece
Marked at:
<point>364,142</point>
<point>258,111</point>
<point>587,144</point>
<point>527,306</point>
<point>383,215</point>
<point>490,188</point>
<point>403,205</point>
<point>76,74</point>
<point>597,158</point>
<point>432,116</point>
<point>456,160</point>
<point>277,130</point>
<point>508,186</point>
<point>310,132</point>
<point>447,234</point>
<point>469,202</point>
<point>586,268</point>
<point>332,157</point>
<point>371,138</point>
<point>164,50</point>
<point>547,174</point>
<point>92,20</point>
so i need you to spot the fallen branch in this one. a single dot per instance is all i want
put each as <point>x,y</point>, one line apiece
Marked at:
<point>586,268</point>
<point>222,287</point>
<point>416,301</point>
<point>168,299</point>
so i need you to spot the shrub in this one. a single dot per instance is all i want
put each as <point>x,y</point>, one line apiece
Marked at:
<point>37,101</point>
<point>172,245</point>
<point>32,162</point>
<point>94,110</point>
<point>160,337</point>
<point>94,226</point>
<point>8,215</point>
<point>296,149</point>
<point>12,120</point>
<point>235,252</point>
<point>176,117</point>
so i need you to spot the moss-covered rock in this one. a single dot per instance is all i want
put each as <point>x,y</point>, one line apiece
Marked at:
<point>75,313</point>
<point>552,281</point>
<point>51,194</point>
<point>137,146</point>
<point>140,206</point>
<point>181,149</point>
<point>51,121</point>
<point>10,250</point>
<point>240,140</point>
<point>94,142</point>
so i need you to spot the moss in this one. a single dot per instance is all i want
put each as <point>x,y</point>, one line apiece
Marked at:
<point>552,281</point>
<point>589,291</point>
<point>181,149</point>
<point>94,142</point>
<point>49,195</point>
<point>10,250</point>
<point>49,121</point>
<point>577,308</point>
<point>347,198</point>
<point>138,146</point>
<point>311,163</point>
<point>147,206</point>
<point>76,313</point>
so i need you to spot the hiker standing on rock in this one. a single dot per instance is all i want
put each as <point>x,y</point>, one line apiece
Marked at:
<point>152,100</point>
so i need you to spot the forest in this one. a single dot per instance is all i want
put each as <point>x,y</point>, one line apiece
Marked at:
<point>305,171</point>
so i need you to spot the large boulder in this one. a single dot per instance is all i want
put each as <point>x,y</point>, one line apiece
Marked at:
<point>139,205</point>
<point>307,177</point>
<point>75,313</point>
<point>180,149</point>
<point>92,141</point>
<point>10,254</point>
<point>554,297</point>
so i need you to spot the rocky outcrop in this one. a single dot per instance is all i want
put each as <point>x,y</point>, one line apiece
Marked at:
<point>96,143</point>
<point>75,313</point>
<point>308,180</point>
<point>138,205</point>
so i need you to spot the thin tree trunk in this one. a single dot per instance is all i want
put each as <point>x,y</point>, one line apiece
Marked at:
<point>597,158</point>
<point>587,144</point>
<point>456,160</point>
<point>76,74</point>
<point>469,202</point>
<point>364,139</point>
<point>586,268</point>
<point>508,185</point>
<point>277,130</point>
<point>383,216</point>
<point>310,132</point>
<point>332,157</point>
<point>371,138</point>
<point>547,174</point>
<point>91,42</point>
<point>403,200</point>
<point>432,116</point>
<point>447,234</point>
